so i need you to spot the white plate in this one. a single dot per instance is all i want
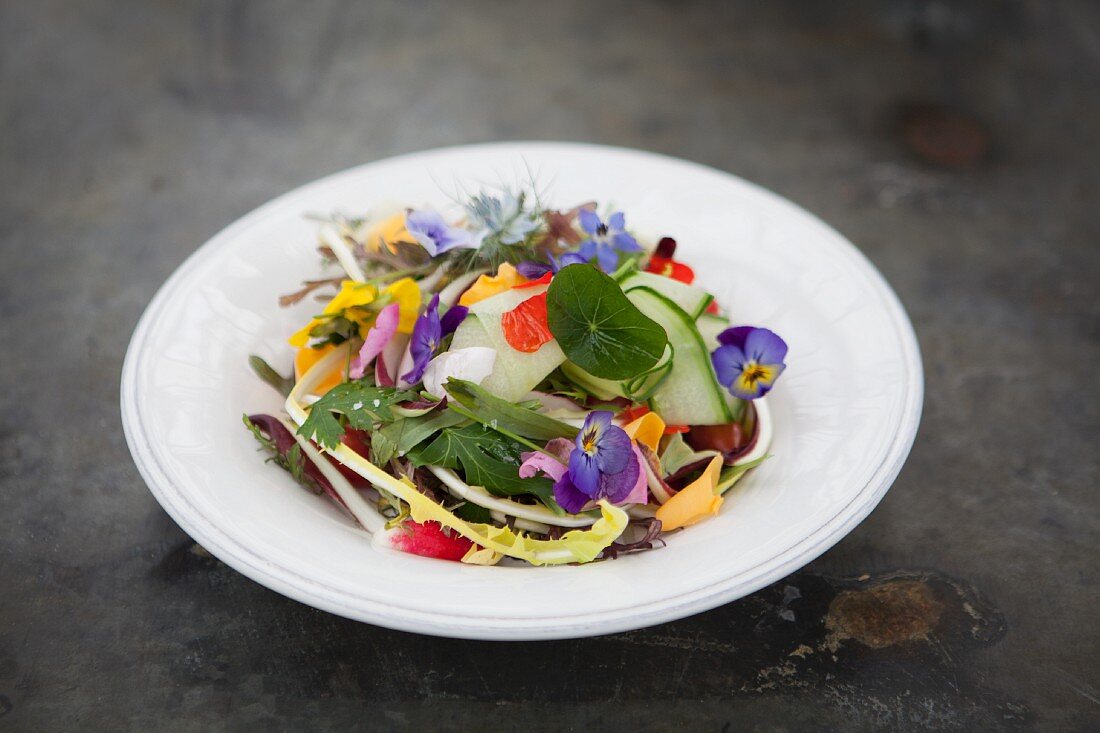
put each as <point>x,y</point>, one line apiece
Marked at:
<point>846,410</point>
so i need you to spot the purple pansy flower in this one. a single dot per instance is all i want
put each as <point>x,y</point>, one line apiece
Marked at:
<point>434,233</point>
<point>749,361</point>
<point>534,270</point>
<point>602,465</point>
<point>427,334</point>
<point>605,239</point>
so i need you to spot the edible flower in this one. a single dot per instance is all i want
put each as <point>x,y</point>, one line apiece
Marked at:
<point>695,502</point>
<point>387,233</point>
<point>662,263</point>
<point>350,302</point>
<point>434,234</point>
<point>427,335</point>
<point>472,364</point>
<point>487,286</point>
<point>356,303</point>
<point>647,430</point>
<point>602,465</point>
<point>385,326</point>
<point>533,270</point>
<point>749,361</point>
<point>605,239</point>
<point>504,218</point>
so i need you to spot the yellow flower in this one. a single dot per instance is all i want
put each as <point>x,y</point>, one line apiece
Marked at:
<point>352,301</point>
<point>647,430</point>
<point>695,502</point>
<point>406,293</point>
<point>489,285</point>
<point>389,230</point>
<point>352,295</point>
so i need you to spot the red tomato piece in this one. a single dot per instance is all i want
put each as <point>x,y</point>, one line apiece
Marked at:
<point>525,327</point>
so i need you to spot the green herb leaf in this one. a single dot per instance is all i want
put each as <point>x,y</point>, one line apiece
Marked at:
<point>409,432</point>
<point>730,474</point>
<point>494,412</point>
<point>362,404</point>
<point>267,373</point>
<point>486,458</point>
<point>472,513</point>
<point>598,328</point>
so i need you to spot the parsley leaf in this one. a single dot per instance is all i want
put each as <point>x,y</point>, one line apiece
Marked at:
<point>486,458</point>
<point>598,328</point>
<point>362,404</point>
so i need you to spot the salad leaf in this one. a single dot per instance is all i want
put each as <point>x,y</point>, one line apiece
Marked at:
<point>267,373</point>
<point>406,433</point>
<point>598,328</point>
<point>471,512</point>
<point>486,458</point>
<point>493,411</point>
<point>361,403</point>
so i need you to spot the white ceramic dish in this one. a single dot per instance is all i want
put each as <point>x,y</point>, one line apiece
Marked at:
<point>846,410</point>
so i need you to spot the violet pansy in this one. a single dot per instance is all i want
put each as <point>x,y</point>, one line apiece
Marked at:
<point>749,361</point>
<point>434,233</point>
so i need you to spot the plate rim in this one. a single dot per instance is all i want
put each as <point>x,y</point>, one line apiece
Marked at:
<point>319,595</point>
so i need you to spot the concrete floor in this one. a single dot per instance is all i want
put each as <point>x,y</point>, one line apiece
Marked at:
<point>955,143</point>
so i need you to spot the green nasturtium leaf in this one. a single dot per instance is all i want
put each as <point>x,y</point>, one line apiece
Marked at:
<point>598,328</point>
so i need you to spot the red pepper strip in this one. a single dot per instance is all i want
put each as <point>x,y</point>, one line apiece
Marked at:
<point>713,308</point>
<point>632,413</point>
<point>430,540</point>
<point>670,268</point>
<point>525,327</point>
<point>544,280</point>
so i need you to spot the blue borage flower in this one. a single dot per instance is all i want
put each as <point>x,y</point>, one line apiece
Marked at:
<point>605,239</point>
<point>427,334</point>
<point>602,465</point>
<point>434,234</point>
<point>749,361</point>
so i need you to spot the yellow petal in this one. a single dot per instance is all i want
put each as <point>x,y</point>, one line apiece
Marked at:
<point>647,430</point>
<point>406,293</point>
<point>351,295</point>
<point>388,231</point>
<point>481,556</point>
<point>306,357</point>
<point>695,502</point>
<point>487,286</point>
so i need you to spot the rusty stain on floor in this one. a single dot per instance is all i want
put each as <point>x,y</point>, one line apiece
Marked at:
<point>889,613</point>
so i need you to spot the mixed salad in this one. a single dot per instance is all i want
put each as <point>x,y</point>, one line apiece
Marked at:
<point>517,382</point>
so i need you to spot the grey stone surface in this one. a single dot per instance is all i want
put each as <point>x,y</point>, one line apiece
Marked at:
<point>130,132</point>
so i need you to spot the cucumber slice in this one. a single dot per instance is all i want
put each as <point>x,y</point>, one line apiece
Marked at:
<point>515,373</point>
<point>692,300</point>
<point>710,326</point>
<point>636,389</point>
<point>690,394</point>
